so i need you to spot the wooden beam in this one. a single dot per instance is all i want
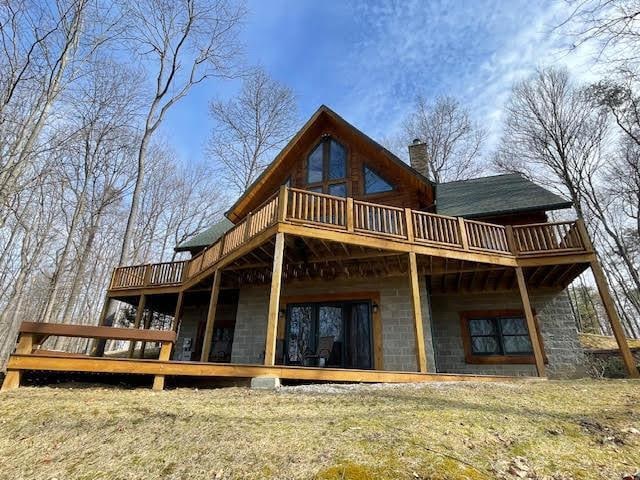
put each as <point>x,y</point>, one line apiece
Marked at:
<point>136,322</point>
<point>211,316</point>
<point>274,302</point>
<point>197,369</point>
<point>88,331</point>
<point>531,323</point>
<point>614,320</point>
<point>421,357</point>
<point>13,377</point>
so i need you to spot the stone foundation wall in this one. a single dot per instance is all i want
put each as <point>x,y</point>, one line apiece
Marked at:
<point>557,327</point>
<point>398,339</point>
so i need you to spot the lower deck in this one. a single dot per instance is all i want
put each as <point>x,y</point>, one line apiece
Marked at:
<point>53,363</point>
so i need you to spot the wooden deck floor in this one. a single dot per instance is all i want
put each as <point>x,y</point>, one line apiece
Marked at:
<point>212,370</point>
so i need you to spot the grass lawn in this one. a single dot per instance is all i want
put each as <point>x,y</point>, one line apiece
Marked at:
<point>554,430</point>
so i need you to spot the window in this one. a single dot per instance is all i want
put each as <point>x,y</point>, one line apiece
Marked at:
<point>374,183</point>
<point>496,337</point>
<point>327,168</point>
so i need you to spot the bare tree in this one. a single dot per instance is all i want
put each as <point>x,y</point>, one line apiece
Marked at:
<point>612,25</point>
<point>558,134</point>
<point>250,128</point>
<point>552,133</point>
<point>181,44</point>
<point>454,142</point>
<point>45,47</point>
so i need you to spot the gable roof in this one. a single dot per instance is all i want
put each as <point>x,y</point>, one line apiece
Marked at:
<point>206,237</point>
<point>322,112</point>
<point>495,195</point>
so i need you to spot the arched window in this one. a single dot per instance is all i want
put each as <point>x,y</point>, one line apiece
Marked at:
<point>327,168</point>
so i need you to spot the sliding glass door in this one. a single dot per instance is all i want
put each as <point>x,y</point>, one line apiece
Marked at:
<point>329,334</point>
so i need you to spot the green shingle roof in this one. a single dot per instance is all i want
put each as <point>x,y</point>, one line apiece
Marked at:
<point>206,237</point>
<point>496,195</point>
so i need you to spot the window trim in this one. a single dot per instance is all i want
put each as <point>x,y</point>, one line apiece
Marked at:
<point>473,358</point>
<point>326,152</point>
<point>366,166</point>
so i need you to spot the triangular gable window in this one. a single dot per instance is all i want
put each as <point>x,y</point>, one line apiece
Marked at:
<point>374,183</point>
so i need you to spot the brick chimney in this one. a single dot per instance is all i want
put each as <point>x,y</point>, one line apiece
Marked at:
<point>418,156</point>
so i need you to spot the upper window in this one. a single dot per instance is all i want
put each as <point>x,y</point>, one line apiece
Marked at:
<point>327,168</point>
<point>374,183</point>
<point>491,337</point>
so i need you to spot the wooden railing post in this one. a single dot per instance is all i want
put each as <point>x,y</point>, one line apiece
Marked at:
<point>408,221</point>
<point>247,227</point>
<point>146,279</point>
<point>24,347</point>
<point>584,235</point>
<point>283,196</point>
<point>350,214</point>
<point>511,240</point>
<point>112,283</point>
<point>464,239</point>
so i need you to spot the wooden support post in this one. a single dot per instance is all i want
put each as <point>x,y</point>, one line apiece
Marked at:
<point>408,218</point>
<point>178,313</point>
<point>165,354</point>
<point>211,316</point>
<point>350,212</point>
<point>105,310</point>
<point>136,322</point>
<point>146,326</point>
<point>614,319</point>
<point>283,197</point>
<point>12,377</point>
<point>421,357</point>
<point>274,302</point>
<point>464,239</point>
<point>531,322</point>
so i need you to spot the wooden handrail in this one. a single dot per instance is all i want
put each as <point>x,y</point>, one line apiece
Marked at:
<point>89,331</point>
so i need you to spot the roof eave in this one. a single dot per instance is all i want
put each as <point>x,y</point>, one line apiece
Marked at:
<point>536,208</point>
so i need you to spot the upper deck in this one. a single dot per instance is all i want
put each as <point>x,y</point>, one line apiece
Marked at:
<point>305,213</point>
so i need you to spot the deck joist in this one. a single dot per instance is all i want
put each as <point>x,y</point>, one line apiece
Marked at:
<point>213,370</point>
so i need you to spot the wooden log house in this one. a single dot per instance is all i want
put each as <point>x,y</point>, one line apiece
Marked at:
<point>343,263</point>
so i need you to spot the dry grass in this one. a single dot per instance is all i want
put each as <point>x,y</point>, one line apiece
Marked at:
<point>581,429</point>
<point>591,341</point>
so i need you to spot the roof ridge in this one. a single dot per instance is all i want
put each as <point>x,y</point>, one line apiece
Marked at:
<point>481,178</point>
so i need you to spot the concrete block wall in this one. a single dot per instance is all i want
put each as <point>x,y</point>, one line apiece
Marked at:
<point>398,338</point>
<point>557,327</point>
<point>192,315</point>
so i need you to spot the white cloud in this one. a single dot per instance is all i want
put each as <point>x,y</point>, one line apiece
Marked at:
<point>472,50</point>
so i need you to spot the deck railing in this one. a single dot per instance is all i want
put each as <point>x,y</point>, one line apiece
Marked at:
<point>543,238</point>
<point>346,214</point>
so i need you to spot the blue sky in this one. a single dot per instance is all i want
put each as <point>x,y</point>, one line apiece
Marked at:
<point>368,60</point>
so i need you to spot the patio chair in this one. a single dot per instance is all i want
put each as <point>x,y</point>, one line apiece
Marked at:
<point>323,352</point>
